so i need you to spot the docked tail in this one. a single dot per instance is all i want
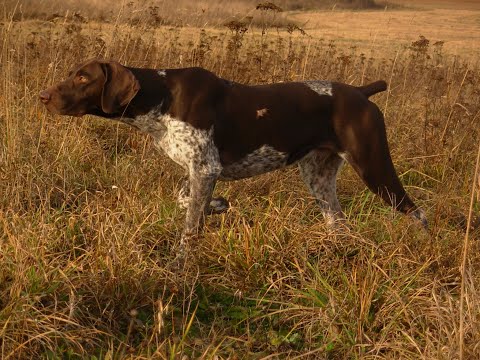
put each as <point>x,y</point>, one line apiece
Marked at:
<point>373,88</point>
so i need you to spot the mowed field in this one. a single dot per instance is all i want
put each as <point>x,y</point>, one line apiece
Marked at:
<point>89,222</point>
<point>384,31</point>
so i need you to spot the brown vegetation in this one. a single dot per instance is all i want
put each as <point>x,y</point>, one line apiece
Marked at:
<point>88,218</point>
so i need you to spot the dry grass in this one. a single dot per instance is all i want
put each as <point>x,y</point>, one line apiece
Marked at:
<point>88,218</point>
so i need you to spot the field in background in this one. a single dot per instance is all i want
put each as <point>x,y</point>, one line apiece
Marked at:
<point>387,31</point>
<point>88,217</point>
<point>440,4</point>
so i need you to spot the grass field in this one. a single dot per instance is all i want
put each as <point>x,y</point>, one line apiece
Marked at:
<point>88,214</point>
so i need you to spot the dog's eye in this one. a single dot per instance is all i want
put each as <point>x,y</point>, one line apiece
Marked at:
<point>82,79</point>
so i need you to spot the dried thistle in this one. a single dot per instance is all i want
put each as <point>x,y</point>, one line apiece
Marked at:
<point>268,6</point>
<point>236,26</point>
<point>421,45</point>
<point>79,17</point>
<point>292,27</point>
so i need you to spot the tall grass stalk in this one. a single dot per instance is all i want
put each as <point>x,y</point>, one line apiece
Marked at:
<point>465,250</point>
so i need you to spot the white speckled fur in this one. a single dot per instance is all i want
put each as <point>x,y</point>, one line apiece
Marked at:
<point>260,161</point>
<point>321,87</point>
<point>319,172</point>
<point>194,150</point>
<point>191,148</point>
<point>151,123</point>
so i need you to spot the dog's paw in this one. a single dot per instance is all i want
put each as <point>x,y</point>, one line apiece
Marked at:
<point>420,216</point>
<point>218,205</point>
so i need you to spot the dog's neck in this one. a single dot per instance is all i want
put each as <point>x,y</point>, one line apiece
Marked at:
<point>153,95</point>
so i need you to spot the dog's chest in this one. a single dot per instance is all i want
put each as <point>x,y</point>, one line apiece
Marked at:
<point>188,146</point>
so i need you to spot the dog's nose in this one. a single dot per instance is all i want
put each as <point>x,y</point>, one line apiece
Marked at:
<point>45,96</point>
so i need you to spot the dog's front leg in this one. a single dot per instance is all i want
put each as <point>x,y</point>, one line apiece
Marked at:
<point>183,197</point>
<point>201,190</point>
<point>217,205</point>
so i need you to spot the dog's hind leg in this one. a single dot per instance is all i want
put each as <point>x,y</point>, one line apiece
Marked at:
<point>364,141</point>
<point>319,172</point>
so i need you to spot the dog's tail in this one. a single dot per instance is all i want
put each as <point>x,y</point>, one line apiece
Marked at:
<point>373,88</point>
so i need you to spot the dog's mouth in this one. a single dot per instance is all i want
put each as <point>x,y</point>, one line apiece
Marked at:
<point>65,110</point>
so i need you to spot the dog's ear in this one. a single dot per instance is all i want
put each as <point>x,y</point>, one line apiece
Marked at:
<point>120,86</point>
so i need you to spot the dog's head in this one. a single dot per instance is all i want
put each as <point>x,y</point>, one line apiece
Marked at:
<point>95,85</point>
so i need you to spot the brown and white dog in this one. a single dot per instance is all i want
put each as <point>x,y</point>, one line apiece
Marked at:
<point>221,130</point>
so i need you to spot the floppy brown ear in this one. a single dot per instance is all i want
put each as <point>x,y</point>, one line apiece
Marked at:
<point>120,87</point>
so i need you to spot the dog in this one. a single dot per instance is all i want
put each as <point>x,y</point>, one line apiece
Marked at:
<point>217,129</point>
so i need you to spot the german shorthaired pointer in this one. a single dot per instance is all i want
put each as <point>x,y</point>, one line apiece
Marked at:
<point>221,130</point>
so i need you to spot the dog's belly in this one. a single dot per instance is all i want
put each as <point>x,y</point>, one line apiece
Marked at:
<point>258,162</point>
